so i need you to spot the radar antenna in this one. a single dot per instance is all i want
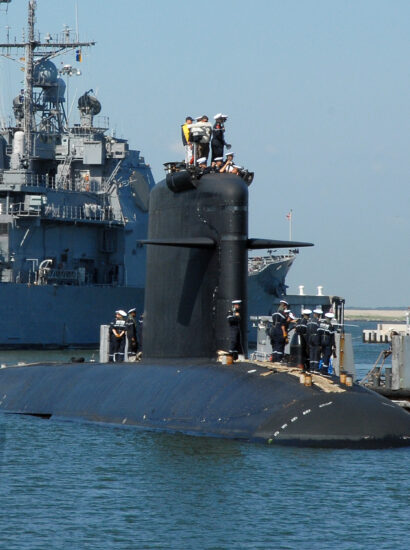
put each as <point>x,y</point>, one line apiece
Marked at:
<point>42,51</point>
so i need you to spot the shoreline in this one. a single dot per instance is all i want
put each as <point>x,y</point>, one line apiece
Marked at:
<point>383,315</point>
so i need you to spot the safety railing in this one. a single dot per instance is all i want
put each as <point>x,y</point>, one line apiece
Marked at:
<point>86,212</point>
<point>66,184</point>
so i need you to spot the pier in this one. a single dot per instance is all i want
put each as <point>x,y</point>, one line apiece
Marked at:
<point>383,332</point>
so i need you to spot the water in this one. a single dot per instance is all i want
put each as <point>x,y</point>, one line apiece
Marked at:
<point>83,486</point>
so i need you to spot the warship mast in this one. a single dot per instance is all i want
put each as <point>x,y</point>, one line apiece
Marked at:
<point>47,50</point>
<point>28,88</point>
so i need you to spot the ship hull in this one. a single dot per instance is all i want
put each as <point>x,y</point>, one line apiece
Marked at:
<point>266,286</point>
<point>60,316</point>
<point>206,399</point>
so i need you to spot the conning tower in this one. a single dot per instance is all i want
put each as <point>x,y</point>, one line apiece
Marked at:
<point>198,237</point>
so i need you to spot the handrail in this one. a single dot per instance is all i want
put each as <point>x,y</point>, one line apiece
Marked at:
<point>86,212</point>
<point>51,182</point>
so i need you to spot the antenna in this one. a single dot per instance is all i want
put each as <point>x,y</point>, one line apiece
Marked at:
<point>76,21</point>
<point>36,50</point>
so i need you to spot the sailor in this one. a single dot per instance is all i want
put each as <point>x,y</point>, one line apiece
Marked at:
<point>186,139</point>
<point>201,132</point>
<point>278,332</point>
<point>228,166</point>
<point>202,166</point>
<point>117,336</point>
<point>327,341</point>
<point>301,329</point>
<point>291,321</point>
<point>235,337</point>
<point>218,136</point>
<point>313,339</point>
<point>132,337</point>
<point>217,164</point>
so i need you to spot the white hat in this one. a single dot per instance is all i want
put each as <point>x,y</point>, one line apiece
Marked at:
<point>236,301</point>
<point>306,311</point>
<point>132,310</point>
<point>218,158</point>
<point>202,160</point>
<point>318,310</point>
<point>291,315</point>
<point>230,153</point>
<point>283,302</point>
<point>220,115</point>
<point>237,166</point>
<point>287,310</point>
<point>329,315</point>
<point>121,312</point>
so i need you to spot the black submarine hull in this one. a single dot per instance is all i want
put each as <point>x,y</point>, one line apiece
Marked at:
<point>244,401</point>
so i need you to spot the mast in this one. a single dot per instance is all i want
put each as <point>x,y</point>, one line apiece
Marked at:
<point>28,88</point>
<point>41,50</point>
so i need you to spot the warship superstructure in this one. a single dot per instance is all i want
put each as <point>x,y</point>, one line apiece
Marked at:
<point>266,279</point>
<point>73,205</point>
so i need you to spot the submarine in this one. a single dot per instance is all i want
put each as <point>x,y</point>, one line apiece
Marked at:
<point>197,249</point>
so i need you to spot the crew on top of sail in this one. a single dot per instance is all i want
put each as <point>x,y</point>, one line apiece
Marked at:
<point>199,136</point>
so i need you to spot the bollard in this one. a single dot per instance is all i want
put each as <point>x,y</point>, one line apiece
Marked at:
<point>302,378</point>
<point>375,378</point>
<point>349,380</point>
<point>343,378</point>
<point>308,379</point>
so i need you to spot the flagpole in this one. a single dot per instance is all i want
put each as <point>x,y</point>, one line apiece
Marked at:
<point>290,224</point>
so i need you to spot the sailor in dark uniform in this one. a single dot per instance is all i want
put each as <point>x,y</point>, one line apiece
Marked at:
<point>278,332</point>
<point>301,330</point>
<point>235,337</point>
<point>218,136</point>
<point>327,341</point>
<point>117,336</point>
<point>132,334</point>
<point>313,339</point>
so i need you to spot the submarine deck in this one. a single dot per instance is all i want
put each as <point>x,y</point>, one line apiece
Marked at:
<point>250,401</point>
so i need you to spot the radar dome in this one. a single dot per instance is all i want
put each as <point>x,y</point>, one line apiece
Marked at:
<point>55,94</point>
<point>89,105</point>
<point>45,73</point>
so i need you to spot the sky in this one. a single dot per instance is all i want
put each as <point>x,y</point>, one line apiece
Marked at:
<point>317,94</point>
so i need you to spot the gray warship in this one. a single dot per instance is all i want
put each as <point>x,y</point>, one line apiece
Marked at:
<point>73,205</point>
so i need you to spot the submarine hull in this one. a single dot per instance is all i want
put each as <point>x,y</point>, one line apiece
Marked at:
<point>245,401</point>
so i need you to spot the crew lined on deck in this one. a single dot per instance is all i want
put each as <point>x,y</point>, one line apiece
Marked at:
<point>314,336</point>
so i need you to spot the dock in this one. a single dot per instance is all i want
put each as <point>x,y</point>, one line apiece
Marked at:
<point>383,332</point>
<point>392,381</point>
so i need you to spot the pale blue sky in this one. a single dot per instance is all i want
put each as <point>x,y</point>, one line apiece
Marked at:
<point>317,94</point>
